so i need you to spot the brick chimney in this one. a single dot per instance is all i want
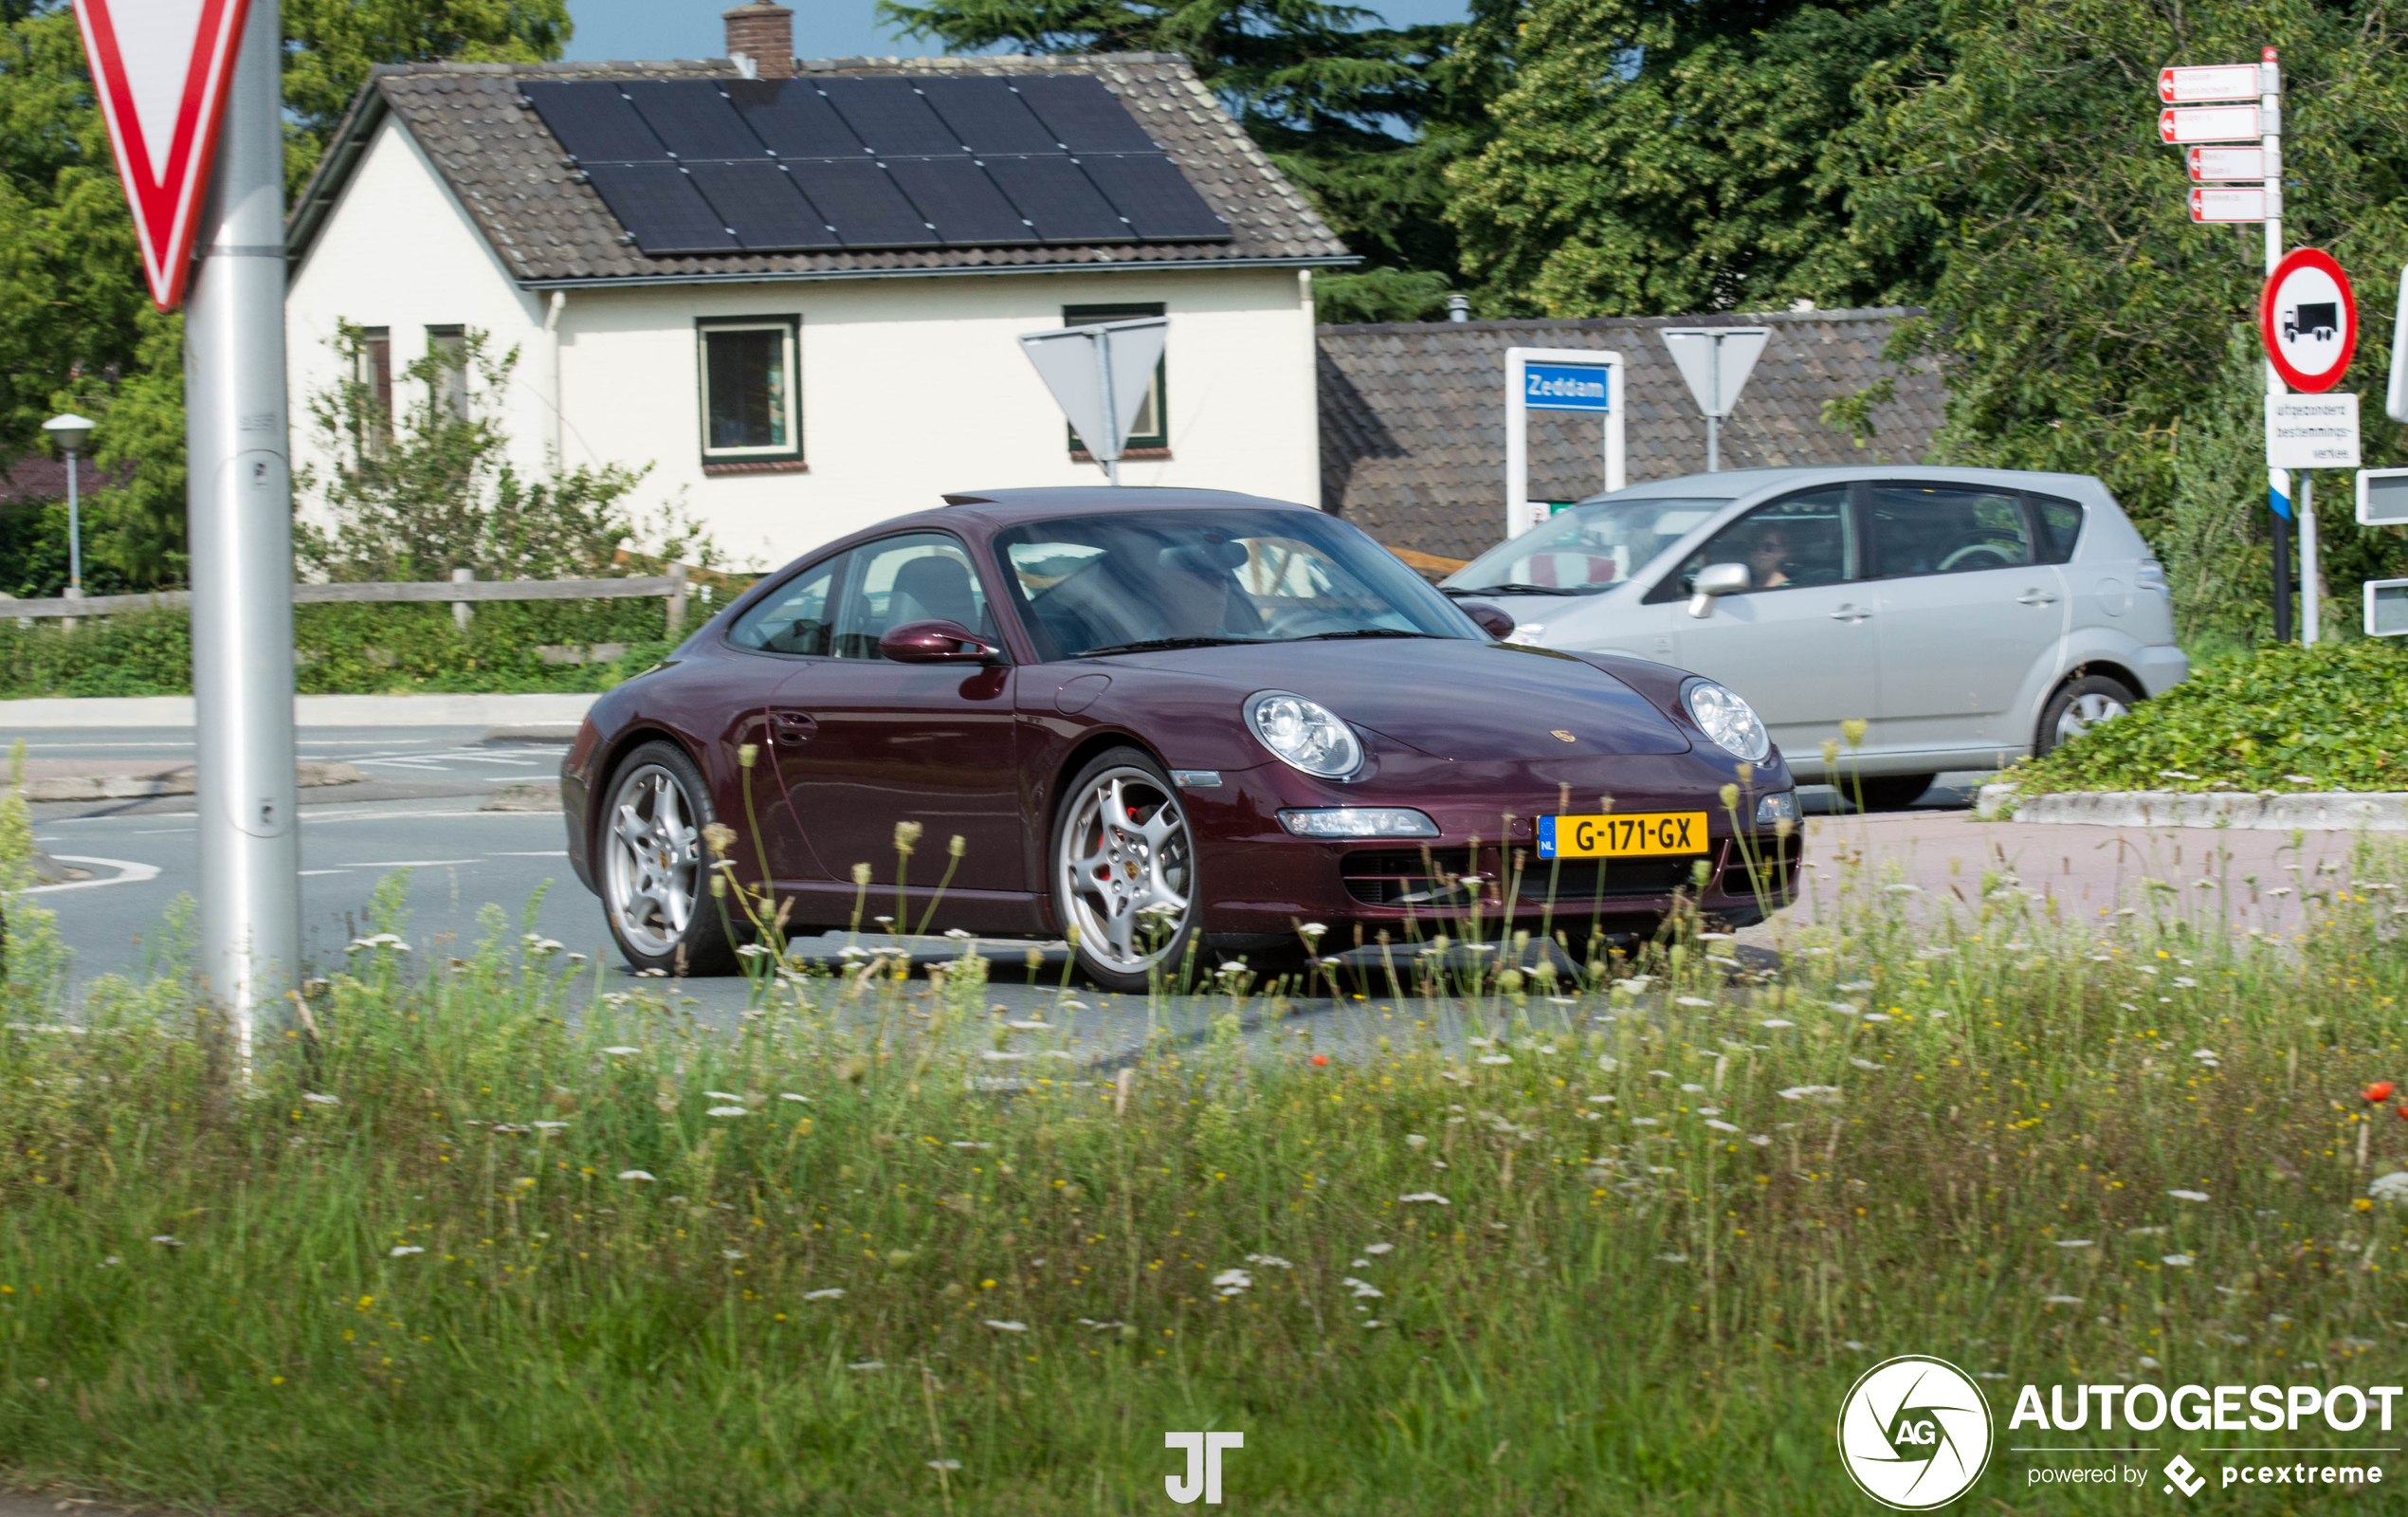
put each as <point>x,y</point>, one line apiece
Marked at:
<point>764,34</point>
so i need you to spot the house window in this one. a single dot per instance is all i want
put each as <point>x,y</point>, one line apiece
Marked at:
<point>1151,436</point>
<point>375,377</point>
<point>750,409</point>
<point>449,347</point>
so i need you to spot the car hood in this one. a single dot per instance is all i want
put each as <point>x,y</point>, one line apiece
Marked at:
<point>1450,697</point>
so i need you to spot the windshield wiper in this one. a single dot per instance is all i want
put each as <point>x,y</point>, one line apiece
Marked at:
<point>1521,590</point>
<point>1154,644</point>
<point>1361,632</point>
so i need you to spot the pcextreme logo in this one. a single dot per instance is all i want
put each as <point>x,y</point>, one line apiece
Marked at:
<point>1915,1433</point>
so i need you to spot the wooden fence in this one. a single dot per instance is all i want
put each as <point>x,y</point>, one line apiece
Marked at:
<point>462,591</point>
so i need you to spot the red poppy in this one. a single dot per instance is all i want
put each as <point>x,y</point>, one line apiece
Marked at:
<point>1323,1058</point>
<point>2402,1112</point>
<point>2380,1093</point>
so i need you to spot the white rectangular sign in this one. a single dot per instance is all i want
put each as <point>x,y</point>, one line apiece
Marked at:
<point>2386,608</point>
<point>2210,164</point>
<point>2311,431</point>
<point>2228,204</point>
<point>2216,81</point>
<point>2383,497</point>
<point>2209,124</point>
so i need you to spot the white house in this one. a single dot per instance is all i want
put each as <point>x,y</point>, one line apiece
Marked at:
<point>794,288</point>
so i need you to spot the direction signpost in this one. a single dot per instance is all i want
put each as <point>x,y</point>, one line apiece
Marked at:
<point>1716,361</point>
<point>193,94</point>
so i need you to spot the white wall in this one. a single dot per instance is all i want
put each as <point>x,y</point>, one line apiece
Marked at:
<point>910,386</point>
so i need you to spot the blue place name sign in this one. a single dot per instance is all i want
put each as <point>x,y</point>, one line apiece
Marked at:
<point>1566,387</point>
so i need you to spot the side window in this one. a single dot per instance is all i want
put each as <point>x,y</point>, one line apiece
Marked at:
<point>1805,539</point>
<point>750,408</point>
<point>795,618</point>
<point>923,577</point>
<point>2060,527</point>
<point>1939,529</point>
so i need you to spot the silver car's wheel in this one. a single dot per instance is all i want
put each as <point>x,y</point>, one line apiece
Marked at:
<point>653,853</point>
<point>1124,871</point>
<point>2085,711</point>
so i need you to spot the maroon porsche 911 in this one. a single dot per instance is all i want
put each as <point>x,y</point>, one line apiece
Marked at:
<point>1158,720</point>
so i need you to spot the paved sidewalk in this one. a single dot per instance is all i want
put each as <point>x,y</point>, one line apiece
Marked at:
<point>308,710</point>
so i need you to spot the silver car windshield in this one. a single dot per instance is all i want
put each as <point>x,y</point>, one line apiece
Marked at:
<point>1585,549</point>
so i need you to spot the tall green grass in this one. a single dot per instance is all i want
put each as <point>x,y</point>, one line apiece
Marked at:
<point>460,1247</point>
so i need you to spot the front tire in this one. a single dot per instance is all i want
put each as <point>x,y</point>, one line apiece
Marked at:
<point>1123,871</point>
<point>2080,705</point>
<point>654,868</point>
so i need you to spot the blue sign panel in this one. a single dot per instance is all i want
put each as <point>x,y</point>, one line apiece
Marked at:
<point>1564,387</point>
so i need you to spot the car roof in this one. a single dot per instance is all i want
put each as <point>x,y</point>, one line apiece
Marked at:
<point>1733,484</point>
<point>1009,507</point>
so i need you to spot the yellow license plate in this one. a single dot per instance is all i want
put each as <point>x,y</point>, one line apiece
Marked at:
<point>1633,834</point>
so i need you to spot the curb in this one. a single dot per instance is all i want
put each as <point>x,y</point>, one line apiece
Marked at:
<point>2333,811</point>
<point>546,709</point>
<point>177,781</point>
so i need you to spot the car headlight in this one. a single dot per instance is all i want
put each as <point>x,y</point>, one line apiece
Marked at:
<point>1781,806</point>
<point>1305,733</point>
<point>1728,720</point>
<point>1359,821</point>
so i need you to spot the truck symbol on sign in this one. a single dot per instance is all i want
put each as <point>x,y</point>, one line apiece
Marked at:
<point>2320,322</point>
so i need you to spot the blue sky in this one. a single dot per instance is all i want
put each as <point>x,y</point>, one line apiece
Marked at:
<point>823,29</point>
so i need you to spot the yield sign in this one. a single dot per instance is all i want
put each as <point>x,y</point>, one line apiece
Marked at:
<point>160,68</point>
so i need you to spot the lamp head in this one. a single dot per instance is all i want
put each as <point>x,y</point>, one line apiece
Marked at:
<point>69,431</point>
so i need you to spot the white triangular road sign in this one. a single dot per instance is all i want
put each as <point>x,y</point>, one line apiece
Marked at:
<point>1716,361</point>
<point>160,68</point>
<point>1072,359</point>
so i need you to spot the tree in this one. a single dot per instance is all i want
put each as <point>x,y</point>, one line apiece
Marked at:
<point>1364,119</point>
<point>1669,155</point>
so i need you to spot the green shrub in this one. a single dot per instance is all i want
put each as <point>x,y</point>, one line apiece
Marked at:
<point>2284,718</point>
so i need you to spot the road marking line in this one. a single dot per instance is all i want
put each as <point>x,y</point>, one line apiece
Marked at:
<point>129,873</point>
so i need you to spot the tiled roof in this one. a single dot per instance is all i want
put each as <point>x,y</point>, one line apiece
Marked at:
<point>1412,425</point>
<point>507,170</point>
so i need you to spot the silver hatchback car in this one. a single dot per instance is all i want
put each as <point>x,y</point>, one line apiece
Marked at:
<point>1969,616</point>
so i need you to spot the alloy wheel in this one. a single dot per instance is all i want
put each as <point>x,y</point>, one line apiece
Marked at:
<point>2087,711</point>
<point>654,853</point>
<point>1126,870</point>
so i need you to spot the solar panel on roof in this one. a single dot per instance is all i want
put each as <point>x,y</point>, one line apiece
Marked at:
<point>988,118</point>
<point>963,204</point>
<point>862,203</point>
<point>659,204</point>
<point>764,207</point>
<point>718,166</point>
<point>890,116</point>
<point>593,122</point>
<point>1150,191</point>
<point>690,122</point>
<point>1063,203</point>
<point>1083,116</point>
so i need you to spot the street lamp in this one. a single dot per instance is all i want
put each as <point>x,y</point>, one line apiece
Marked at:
<point>72,433</point>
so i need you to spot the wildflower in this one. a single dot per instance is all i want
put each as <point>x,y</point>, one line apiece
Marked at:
<point>723,1095</point>
<point>1854,1345</point>
<point>1233,967</point>
<point>789,1095</point>
<point>866,1363</point>
<point>1691,1000</point>
<point>2188,1195</point>
<point>1902,888</point>
<point>731,1254</point>
<point>382,940</point>
<point>317,1100</point>
<point>1760,1140</point>
<point>1805,1092</point>
<point>1600,1098</point>
<point>728,1111</point>
<point>546,945</point>
<point>906,833</point>
<point>831,1293</point>
<point>2063,1301</point>
<point>943,1464</point>
<point>1320,1058</point>
<point>1864,1063</point>
<point>2391,1187</point>
<point>643,1177</point>
<point>1311,931</point>
<point>752,950</point>
<point>965,1142</point>
<point>167,1240</point>
<point>1494,1058</point>
<point>1645,1122</point>
<point>403,1250</point>
<point>1414,1139</point>
<point>1375,1323</point>
<point>1693,1089</point>
<point>1363,1289</point>
<point>547,1126</point>
<point>1877,1016</point>
<point>2073,1243</point>
<point>959,934</point>
<point>110,1260</point>
<point>2178,1261</point>
<point>897,1259</point>
<point>1008,1327</point>
<point>1426,1196</point>
<point>1720,1126</point>
<point>1376,1249</point>
<point>621,1050</point>
<point>1854,986</point>
<point>2378,1092</point>
<point>1230,1282</point>
<point>1775,1022</point>
<point>1001,1056</point>
<point>1030,1027</point>
<point>1268,1261</point>
<point>1673,1258</point>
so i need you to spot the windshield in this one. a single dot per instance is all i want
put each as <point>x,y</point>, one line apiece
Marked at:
<point>1585,549</point>
<point>1140,579</point>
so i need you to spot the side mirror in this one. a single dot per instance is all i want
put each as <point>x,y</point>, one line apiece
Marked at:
<point>1493,620</point>
<point>1716,579</point>
<point>937,643</point>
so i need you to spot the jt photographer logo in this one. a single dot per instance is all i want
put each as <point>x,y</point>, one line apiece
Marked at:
<point>1203,1465</point>
<point>1915,1433</point>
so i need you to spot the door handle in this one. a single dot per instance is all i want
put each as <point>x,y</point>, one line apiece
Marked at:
<point>2036,598</point>
<point>1852,613</point>
<point>794,727</point>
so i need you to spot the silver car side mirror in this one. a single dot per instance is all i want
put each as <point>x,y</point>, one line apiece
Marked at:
<point>1716,579</point>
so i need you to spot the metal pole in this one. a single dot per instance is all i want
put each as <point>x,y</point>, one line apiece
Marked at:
<point>2309,618</point>
<point>2282,579</point>
<point>1516,427</point>
<point>1111,411</point>
<point>2269,107</point>
<point>1714,405</point>
<point>74,533</point>
<point>240,505</point>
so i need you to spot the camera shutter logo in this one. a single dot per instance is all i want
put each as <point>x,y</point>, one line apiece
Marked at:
<point>1915,1433</point>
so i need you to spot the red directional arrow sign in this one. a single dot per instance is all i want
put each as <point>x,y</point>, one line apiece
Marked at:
<point>160,68</point>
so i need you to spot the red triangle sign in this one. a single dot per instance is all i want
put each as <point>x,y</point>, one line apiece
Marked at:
<point>161,68</point>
